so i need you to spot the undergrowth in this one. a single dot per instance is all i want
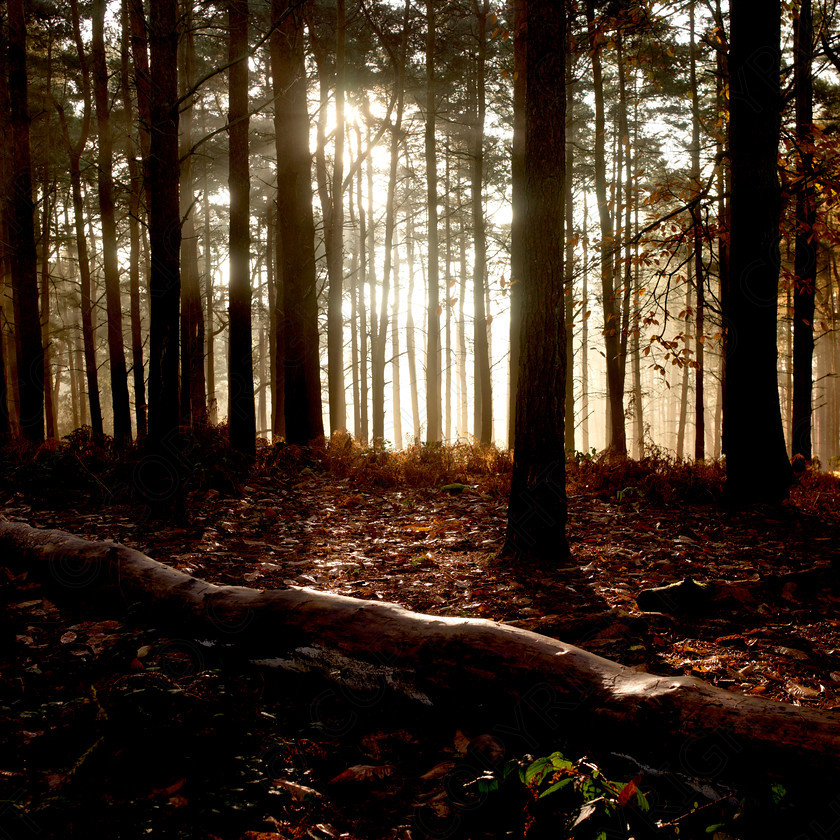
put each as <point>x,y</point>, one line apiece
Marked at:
<point>81,469</point>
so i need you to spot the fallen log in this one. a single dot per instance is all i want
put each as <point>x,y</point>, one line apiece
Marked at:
<point>434,660</point>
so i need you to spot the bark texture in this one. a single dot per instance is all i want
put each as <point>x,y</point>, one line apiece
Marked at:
<point>456,662</point>
<point>756,462</point>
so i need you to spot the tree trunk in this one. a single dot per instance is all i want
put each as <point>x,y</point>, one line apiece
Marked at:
<point>569,264</point>
<point>193,401</point>
<point>160,475</point>
<point>242,420</point>
<point>21,229</point>
<point>805,267</point>
<point>482,381</point>
<point>617,444</point>
<point>584,334</point>
<point>758,469</point>
<point>433,413</point>
<point>699,273</point>
<point>395,353</point>
<point>379,338</point>
<point>517,222</point>
<point>210,329</point>
<point>302,399</point>
<point>334,241</point>
<point>684,383</point>
<point>437,660</point>
<point>46,338</point>
<point>134,186</point>
<point>362,304</point>
<point>410,337</point>
<point>111,270</point>
<point>354,320</point>
<point>537,510</point>
<point>462,323</point>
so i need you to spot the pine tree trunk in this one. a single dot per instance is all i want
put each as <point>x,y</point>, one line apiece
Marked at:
<point>302,393</point>
<point>584,335</point>
<point>193,401</point>
<point>134,187</point>
<point>617,443</point>
<point>517,222</point>
<point>757,466</point>
<point>463,408</point>
<point>210,331</point>
<point>21,224</point>
<point>242,420</point>
<point>163,172</point>
<point>433,418</point>
<point>481,348</point>
<point>410,336</point>
<point>362,305</point>
<point>395,354</point>
<point>379,339</point>
<point>569,265</point>
<point>537,509</point>
<point>116,348</point>
<point>699,273</point>
<point>805,266</point>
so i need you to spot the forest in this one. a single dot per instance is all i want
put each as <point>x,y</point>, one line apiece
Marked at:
<point>419,418</point>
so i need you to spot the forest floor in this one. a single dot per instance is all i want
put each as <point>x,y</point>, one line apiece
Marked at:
<point>113,727</point>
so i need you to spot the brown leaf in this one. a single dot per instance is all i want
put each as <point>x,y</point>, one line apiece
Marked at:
<point>364,773</point>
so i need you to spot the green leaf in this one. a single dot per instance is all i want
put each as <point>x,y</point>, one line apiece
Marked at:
<point>536,768</point>
<point>557,786</point>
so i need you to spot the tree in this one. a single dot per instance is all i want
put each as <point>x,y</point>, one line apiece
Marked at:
<point>162,479</point>
<point>805,266</point>
<point>433,408</point>
<point>21,232</point>
<point>296,269</point>
<point>617,444</point>
<point>537,508</point>
<point>242,420</point>
<point>105,184</point>
<point>757,468</point>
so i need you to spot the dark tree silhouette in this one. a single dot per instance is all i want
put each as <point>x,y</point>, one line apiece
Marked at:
<point>242,419</point>
<point>756,463</point>
<point>537,510</point>
<point>21,230</point>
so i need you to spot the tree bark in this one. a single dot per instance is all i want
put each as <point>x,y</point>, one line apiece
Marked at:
<point>617,444</point>
<point>193,400</point>
<point>242,418</point>
<point>537,510</point>
<point>437,660</point>
<point>483,394</point>
<point>160,476</point>
<point>433,413</point>
<point>517,222</point>
<point>21,228</point>
<point>380,336</point>
<point>758,469</point>
<point>110,264</point>
<point>699,273</point>
<point>805,265</point>
<point>134,187</point>
<point>302,398</point>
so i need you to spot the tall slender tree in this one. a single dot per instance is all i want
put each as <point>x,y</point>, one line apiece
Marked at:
<point>757,468</point>
<point>537,511</point>
<point>243,433</point>
<point>433,407</point>
<point>21,231</point>
<point>111,270</point>
<point>805,264</point>
<point>296,242</point>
